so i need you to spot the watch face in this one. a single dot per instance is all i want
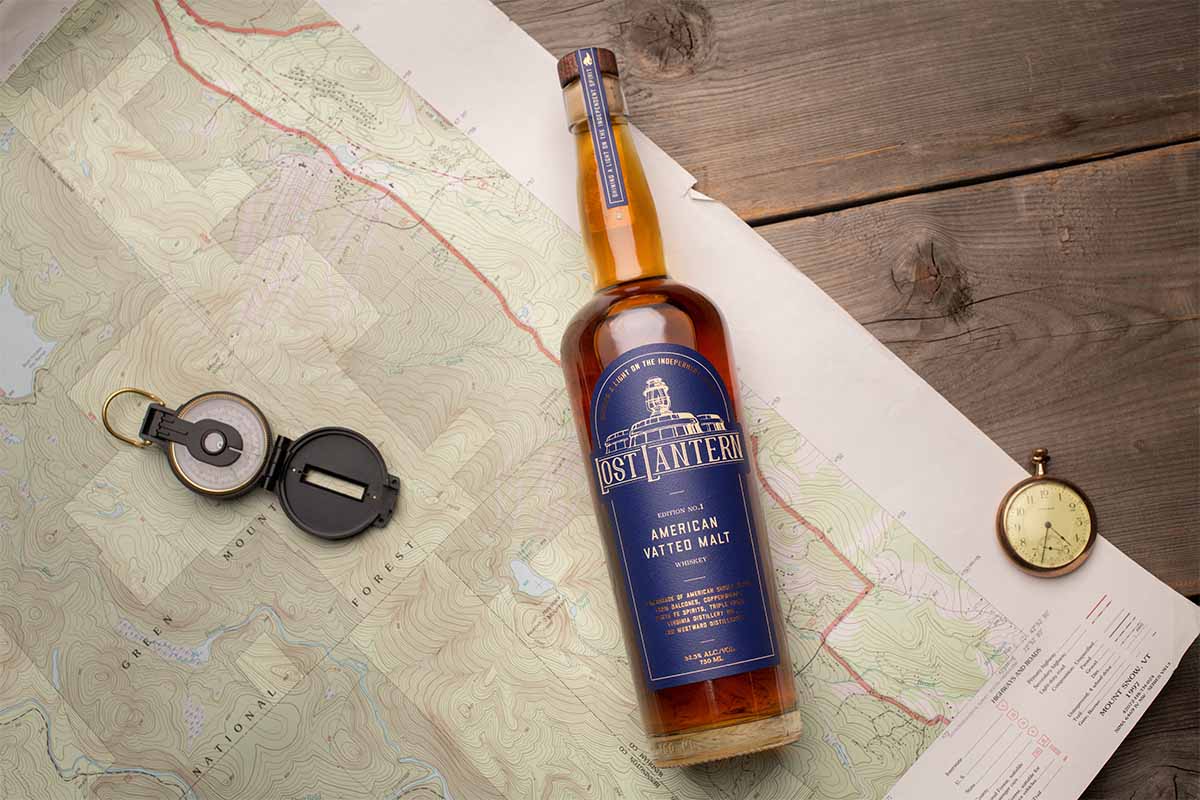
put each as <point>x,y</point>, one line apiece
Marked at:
<point>1047,524</point>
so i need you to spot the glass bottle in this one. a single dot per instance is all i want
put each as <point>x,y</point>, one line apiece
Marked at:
<point>654,394</point>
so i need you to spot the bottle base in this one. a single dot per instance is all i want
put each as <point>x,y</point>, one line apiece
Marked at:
<point>713,744</point>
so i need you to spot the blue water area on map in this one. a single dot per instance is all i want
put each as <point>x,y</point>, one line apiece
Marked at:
<point>528,581</point>
<point>117,511</point>
<point>24,351</point>
<point>839,749</point>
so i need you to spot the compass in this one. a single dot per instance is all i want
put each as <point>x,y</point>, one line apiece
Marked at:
<point>1046,524</point>
<point>331,482</point>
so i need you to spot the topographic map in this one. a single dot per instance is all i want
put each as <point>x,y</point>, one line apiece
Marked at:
<point>237,195</point>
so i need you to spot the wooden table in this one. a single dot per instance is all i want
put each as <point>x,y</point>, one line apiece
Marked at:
<point>1004,194</point>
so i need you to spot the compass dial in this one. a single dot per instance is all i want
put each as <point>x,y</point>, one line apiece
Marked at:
<point>243,416</point>
<point>1047,524</point>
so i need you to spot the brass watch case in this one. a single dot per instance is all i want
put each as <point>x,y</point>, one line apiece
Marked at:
<point>1034,569</point>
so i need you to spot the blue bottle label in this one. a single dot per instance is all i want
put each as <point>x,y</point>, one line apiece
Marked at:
<point>670,468</point>
<point>595,100</point>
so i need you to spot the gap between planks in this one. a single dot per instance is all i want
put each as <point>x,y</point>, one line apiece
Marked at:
<point>883,197</point>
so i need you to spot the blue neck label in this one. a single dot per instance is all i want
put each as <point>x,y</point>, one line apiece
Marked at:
<point>671,472</point>
<point>595,100</point>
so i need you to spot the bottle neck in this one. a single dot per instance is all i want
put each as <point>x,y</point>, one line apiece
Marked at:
<point>616,210</point>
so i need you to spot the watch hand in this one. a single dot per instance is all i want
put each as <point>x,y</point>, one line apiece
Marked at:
<point>1059,535</point>
<point>1045,541</point>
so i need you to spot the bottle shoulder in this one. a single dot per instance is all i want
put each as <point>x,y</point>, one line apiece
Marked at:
<point>661,298</point>
<point>629,315</point>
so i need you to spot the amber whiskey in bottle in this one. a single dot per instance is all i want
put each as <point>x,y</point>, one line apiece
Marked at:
<point>656,406</point>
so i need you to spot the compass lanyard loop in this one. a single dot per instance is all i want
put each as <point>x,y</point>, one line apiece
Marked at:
<point>331,482</point>
<point>208,440</point>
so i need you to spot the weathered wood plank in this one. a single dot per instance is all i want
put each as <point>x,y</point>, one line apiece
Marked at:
<point>781,106</point>
<point>1161,758</point>
<point>1060,309</point>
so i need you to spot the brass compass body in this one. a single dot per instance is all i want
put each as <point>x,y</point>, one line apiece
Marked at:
<point>1046,525</point>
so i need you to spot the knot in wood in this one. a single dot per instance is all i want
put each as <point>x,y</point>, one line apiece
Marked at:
<point>932,279</point>
<point>669,39</point>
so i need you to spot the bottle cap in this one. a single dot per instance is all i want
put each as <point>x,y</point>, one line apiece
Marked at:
<point>568,67</point>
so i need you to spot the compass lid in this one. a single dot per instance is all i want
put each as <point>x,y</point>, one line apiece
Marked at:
<point>332,482</point>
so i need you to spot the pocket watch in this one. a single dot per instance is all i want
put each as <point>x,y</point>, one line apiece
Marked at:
<point>1046,525</point>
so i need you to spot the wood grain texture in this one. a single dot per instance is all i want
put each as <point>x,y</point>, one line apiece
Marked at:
<point>783,106</point>
<point>1160,759</point>
<point>1060,309</point>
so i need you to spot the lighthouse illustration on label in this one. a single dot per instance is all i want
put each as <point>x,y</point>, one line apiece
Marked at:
<point>663,423</point>
<point>665,442</point>
<point>673,483</point>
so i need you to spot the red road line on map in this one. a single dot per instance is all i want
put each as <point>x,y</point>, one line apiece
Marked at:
<point>308,27</point>
<point>868,585</point>
<point>221,26</point>
<point>796,515</point>
<point>938,720</point>
<point>845,613</point>
<point>313,140</point>
<point>317,143</point>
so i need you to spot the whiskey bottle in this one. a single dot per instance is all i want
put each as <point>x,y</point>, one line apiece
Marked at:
<point>654,394</point>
